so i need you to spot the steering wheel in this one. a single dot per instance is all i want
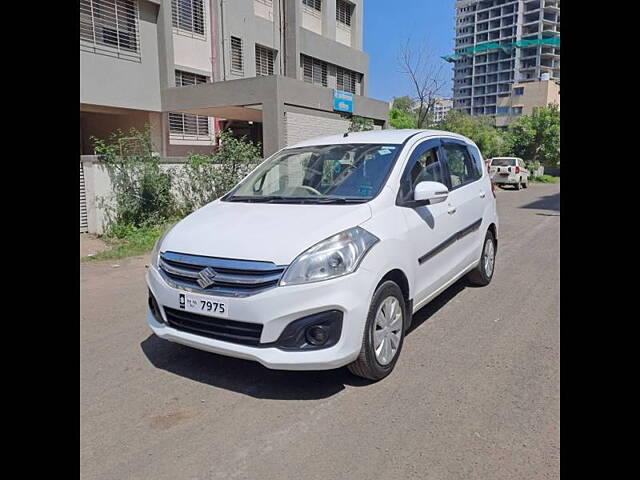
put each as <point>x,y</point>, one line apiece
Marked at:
<point>310,189</point>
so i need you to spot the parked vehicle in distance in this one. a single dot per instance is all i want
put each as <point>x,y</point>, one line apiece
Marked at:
<point>320,256</point>
<point>509,171</point>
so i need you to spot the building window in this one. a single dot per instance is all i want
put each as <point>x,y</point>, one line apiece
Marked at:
<point>344,11</point>
<point>183,125</point>
<point>346,80</point>
<point>516,110</point>
<point>314,71</point>
<point>518,91</point>
<point>188,16</point>
<point>110,27</point>
<point>503,110</point>
<point>315,4</point>
<point>237,60</point>
<point>264,60</point>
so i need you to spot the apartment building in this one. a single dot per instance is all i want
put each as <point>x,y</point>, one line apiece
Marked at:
<point>441,108</point>
<point>499,43</point>
<point>270,69</point>
<point>523,98</point>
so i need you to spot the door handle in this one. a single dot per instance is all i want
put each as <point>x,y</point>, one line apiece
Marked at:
<point>482,194</point>
<point>451,210</point>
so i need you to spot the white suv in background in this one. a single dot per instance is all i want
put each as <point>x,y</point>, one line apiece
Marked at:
<point>321,255</point>
<point>509,171</point>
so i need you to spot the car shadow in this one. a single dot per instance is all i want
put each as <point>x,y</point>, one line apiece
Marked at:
<point>252,379</point>
<point>548,202</point>
<point>245,376</point>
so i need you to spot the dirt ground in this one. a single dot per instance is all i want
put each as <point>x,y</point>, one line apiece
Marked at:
<point>90,245</point>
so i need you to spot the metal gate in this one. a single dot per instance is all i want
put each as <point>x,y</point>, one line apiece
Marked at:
<point>84,224</point>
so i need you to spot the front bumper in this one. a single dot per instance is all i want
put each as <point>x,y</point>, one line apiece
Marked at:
<point>275,309</point>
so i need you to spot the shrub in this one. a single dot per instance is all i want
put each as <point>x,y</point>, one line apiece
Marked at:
<point>141,191</point>
<point>205,178</point>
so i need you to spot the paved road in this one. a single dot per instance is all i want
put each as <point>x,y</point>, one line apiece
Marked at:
<point>475,394</point>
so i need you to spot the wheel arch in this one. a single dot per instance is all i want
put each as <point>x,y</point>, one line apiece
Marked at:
<point>400,278</point>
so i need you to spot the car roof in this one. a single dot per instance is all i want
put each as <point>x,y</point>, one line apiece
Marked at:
<point>390,136</point>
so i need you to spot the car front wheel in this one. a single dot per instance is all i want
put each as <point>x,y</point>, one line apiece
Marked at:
<point>383,334</point>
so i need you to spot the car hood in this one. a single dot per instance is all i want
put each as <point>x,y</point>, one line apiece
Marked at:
<point>257,231</point>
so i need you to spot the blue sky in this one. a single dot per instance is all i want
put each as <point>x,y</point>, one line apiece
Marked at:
<point>388,24</point>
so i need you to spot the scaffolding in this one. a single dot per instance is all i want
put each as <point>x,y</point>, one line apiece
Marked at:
<point>505,47</point>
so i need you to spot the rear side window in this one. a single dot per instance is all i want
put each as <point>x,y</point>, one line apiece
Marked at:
<point>462,167</point>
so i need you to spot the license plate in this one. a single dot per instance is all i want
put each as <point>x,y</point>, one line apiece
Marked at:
<point>204,305</point>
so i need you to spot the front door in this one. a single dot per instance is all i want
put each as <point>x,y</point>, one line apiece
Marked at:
<point>431,228</point>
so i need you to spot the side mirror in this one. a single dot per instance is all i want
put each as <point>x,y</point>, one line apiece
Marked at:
<point>429,193</point>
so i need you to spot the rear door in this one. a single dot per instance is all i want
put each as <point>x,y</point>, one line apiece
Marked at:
<point>468,192</point>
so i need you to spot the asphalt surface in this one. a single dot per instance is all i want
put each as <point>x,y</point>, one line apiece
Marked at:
<point>475,394</point>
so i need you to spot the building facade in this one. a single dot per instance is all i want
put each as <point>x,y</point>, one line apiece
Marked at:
<point>187,68</point>
<point>441,108</point>
<point>499,43</point>
<point>523,98</point>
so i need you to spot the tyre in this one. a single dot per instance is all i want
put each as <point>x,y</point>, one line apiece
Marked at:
<point>483,273</point>
<point>526,183</point>
<point>383,333</point>
<point>518,185</point>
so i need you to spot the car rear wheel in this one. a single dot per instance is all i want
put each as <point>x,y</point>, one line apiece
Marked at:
<point>483,273</point>
<point>526,183</point>
<point>383,334</point>
<point>519,184</point>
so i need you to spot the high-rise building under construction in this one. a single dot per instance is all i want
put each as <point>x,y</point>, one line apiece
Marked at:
<point>499,43</point>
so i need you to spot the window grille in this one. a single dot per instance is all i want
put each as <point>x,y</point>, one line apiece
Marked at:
<point>344,11</point>
<point>314,70</point>
<point>315,4</point>
<point>110,27</point>
<point>264,60</point>
<point>188,16</point>
<point>346,80</point>
<point>184,125</point>
<point>237,62</point>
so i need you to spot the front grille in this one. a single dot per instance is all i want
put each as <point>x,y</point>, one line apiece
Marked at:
<point>232,331</point>
<point>234,278</point>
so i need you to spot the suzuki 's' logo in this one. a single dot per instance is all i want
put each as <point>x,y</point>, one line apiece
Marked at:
<point>206,277</point>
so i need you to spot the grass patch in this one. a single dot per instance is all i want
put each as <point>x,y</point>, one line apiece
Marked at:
<point>127,241</point>
<point>545,179</point>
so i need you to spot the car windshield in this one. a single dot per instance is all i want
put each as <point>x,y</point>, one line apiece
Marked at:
<point>344,173</point>
<point>503,162</point>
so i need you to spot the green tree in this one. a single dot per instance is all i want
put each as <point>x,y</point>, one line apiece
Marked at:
<point>536,137</point>
<point>360,124</point>
<point>480,129</point>
<point>404,104</point>
<point>401,119</point>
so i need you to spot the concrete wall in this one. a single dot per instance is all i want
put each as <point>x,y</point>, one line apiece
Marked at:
<point>115,82</point>
<point>98,186</point>
<point>299,126</point>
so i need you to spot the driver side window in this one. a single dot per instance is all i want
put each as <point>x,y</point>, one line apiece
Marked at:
<point>424,167</point>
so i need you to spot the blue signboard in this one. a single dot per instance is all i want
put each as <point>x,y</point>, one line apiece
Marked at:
<point>342,101</point>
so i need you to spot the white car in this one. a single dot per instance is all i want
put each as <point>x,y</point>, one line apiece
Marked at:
<point>321,255</point>
<point>509,171</point>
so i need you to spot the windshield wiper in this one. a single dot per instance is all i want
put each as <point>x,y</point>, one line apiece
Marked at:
<point>308,200</point>
<point>338,200</point>
<point>255,198</point>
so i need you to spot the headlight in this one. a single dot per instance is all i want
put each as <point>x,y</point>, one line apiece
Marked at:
<point>155,254</point>
<point>336,256</point>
